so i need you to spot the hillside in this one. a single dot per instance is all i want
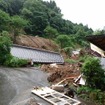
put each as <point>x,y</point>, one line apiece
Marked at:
<point>37,42</point>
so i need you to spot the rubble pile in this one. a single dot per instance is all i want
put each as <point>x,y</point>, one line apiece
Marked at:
<point>61,72</point>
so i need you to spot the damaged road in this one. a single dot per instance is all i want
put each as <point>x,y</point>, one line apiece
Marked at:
<point>16,85</point>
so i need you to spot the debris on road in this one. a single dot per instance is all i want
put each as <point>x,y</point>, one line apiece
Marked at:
<point>54,97</point>
<point>64,87</point>
<point>61,71</point>
<point>57,87</point>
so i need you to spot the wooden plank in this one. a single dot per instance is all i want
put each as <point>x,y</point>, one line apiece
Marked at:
<point>65,80</point>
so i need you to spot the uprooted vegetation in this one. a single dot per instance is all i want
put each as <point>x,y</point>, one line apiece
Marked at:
<point>61,71</point>
<point>71,68</point>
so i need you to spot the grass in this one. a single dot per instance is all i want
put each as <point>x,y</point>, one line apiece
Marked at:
<point>71,61</point>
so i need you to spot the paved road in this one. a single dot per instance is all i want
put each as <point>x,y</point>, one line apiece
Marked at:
<point>16,85</point>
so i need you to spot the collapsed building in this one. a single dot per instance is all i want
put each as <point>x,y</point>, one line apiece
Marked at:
<point>97,45</point>
<point>36,55</point>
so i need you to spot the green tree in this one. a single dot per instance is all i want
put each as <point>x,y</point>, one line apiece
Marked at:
<point>6,59</point>
<point>67,27</point>
<point>5,44</point>
<point>12,7</point>
<point>63,40</point>
<point>35,12</point>
<point>4,21</point>
<point>17,25</point>
<point>43,13</point>
<point>94,74</point>
<point>51,32</point>
<point>40,14</point>
<point>3,5</point>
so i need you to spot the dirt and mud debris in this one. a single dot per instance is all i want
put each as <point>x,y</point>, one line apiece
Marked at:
<point>61,72</point>
<point>37,42</point>
<point>56,73</point>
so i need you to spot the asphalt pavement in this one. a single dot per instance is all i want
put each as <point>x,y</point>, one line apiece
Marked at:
<point>16,85</point>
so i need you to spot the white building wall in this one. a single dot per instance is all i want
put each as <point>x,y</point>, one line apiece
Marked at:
<point>97,49</point>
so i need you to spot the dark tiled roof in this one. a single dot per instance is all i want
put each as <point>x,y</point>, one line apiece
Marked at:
<point>98,40</point>
<point>37,55</point>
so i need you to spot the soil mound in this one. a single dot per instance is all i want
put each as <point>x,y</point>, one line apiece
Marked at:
<point>37,42</point>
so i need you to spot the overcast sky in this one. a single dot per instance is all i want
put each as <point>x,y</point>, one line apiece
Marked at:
<point>88,12</point>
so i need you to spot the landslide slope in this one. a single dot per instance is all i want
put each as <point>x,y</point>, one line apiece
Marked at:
<point>37,42</point>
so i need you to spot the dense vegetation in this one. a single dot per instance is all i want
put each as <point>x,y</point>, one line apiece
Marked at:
<point>94,90</point>
<point>94,73</point>
<point>5,44</point>
<point>6,59</point>
<point>42,18</point>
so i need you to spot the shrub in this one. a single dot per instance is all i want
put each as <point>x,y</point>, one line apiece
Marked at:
<point>5,44</point>
<point>68,50</point>
<point>89,94</point>
<point>71,61</point>
<point>15,62</point>
<point>6,58</point>
<point>83,58</point>
<point>94,74</point>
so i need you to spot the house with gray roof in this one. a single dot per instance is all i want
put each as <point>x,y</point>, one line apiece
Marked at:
<point>36,55</point>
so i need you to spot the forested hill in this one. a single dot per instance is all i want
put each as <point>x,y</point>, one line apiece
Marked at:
<point>37,17</point>
<point>40,14</point>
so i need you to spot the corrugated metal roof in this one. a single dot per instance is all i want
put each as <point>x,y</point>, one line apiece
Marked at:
<point>36,55</point>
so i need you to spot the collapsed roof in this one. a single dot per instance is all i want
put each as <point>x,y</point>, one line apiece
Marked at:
<point>98,40</point>
<point>36,55</point>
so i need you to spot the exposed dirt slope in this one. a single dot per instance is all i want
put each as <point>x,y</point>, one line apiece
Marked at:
<point>36,42</point>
